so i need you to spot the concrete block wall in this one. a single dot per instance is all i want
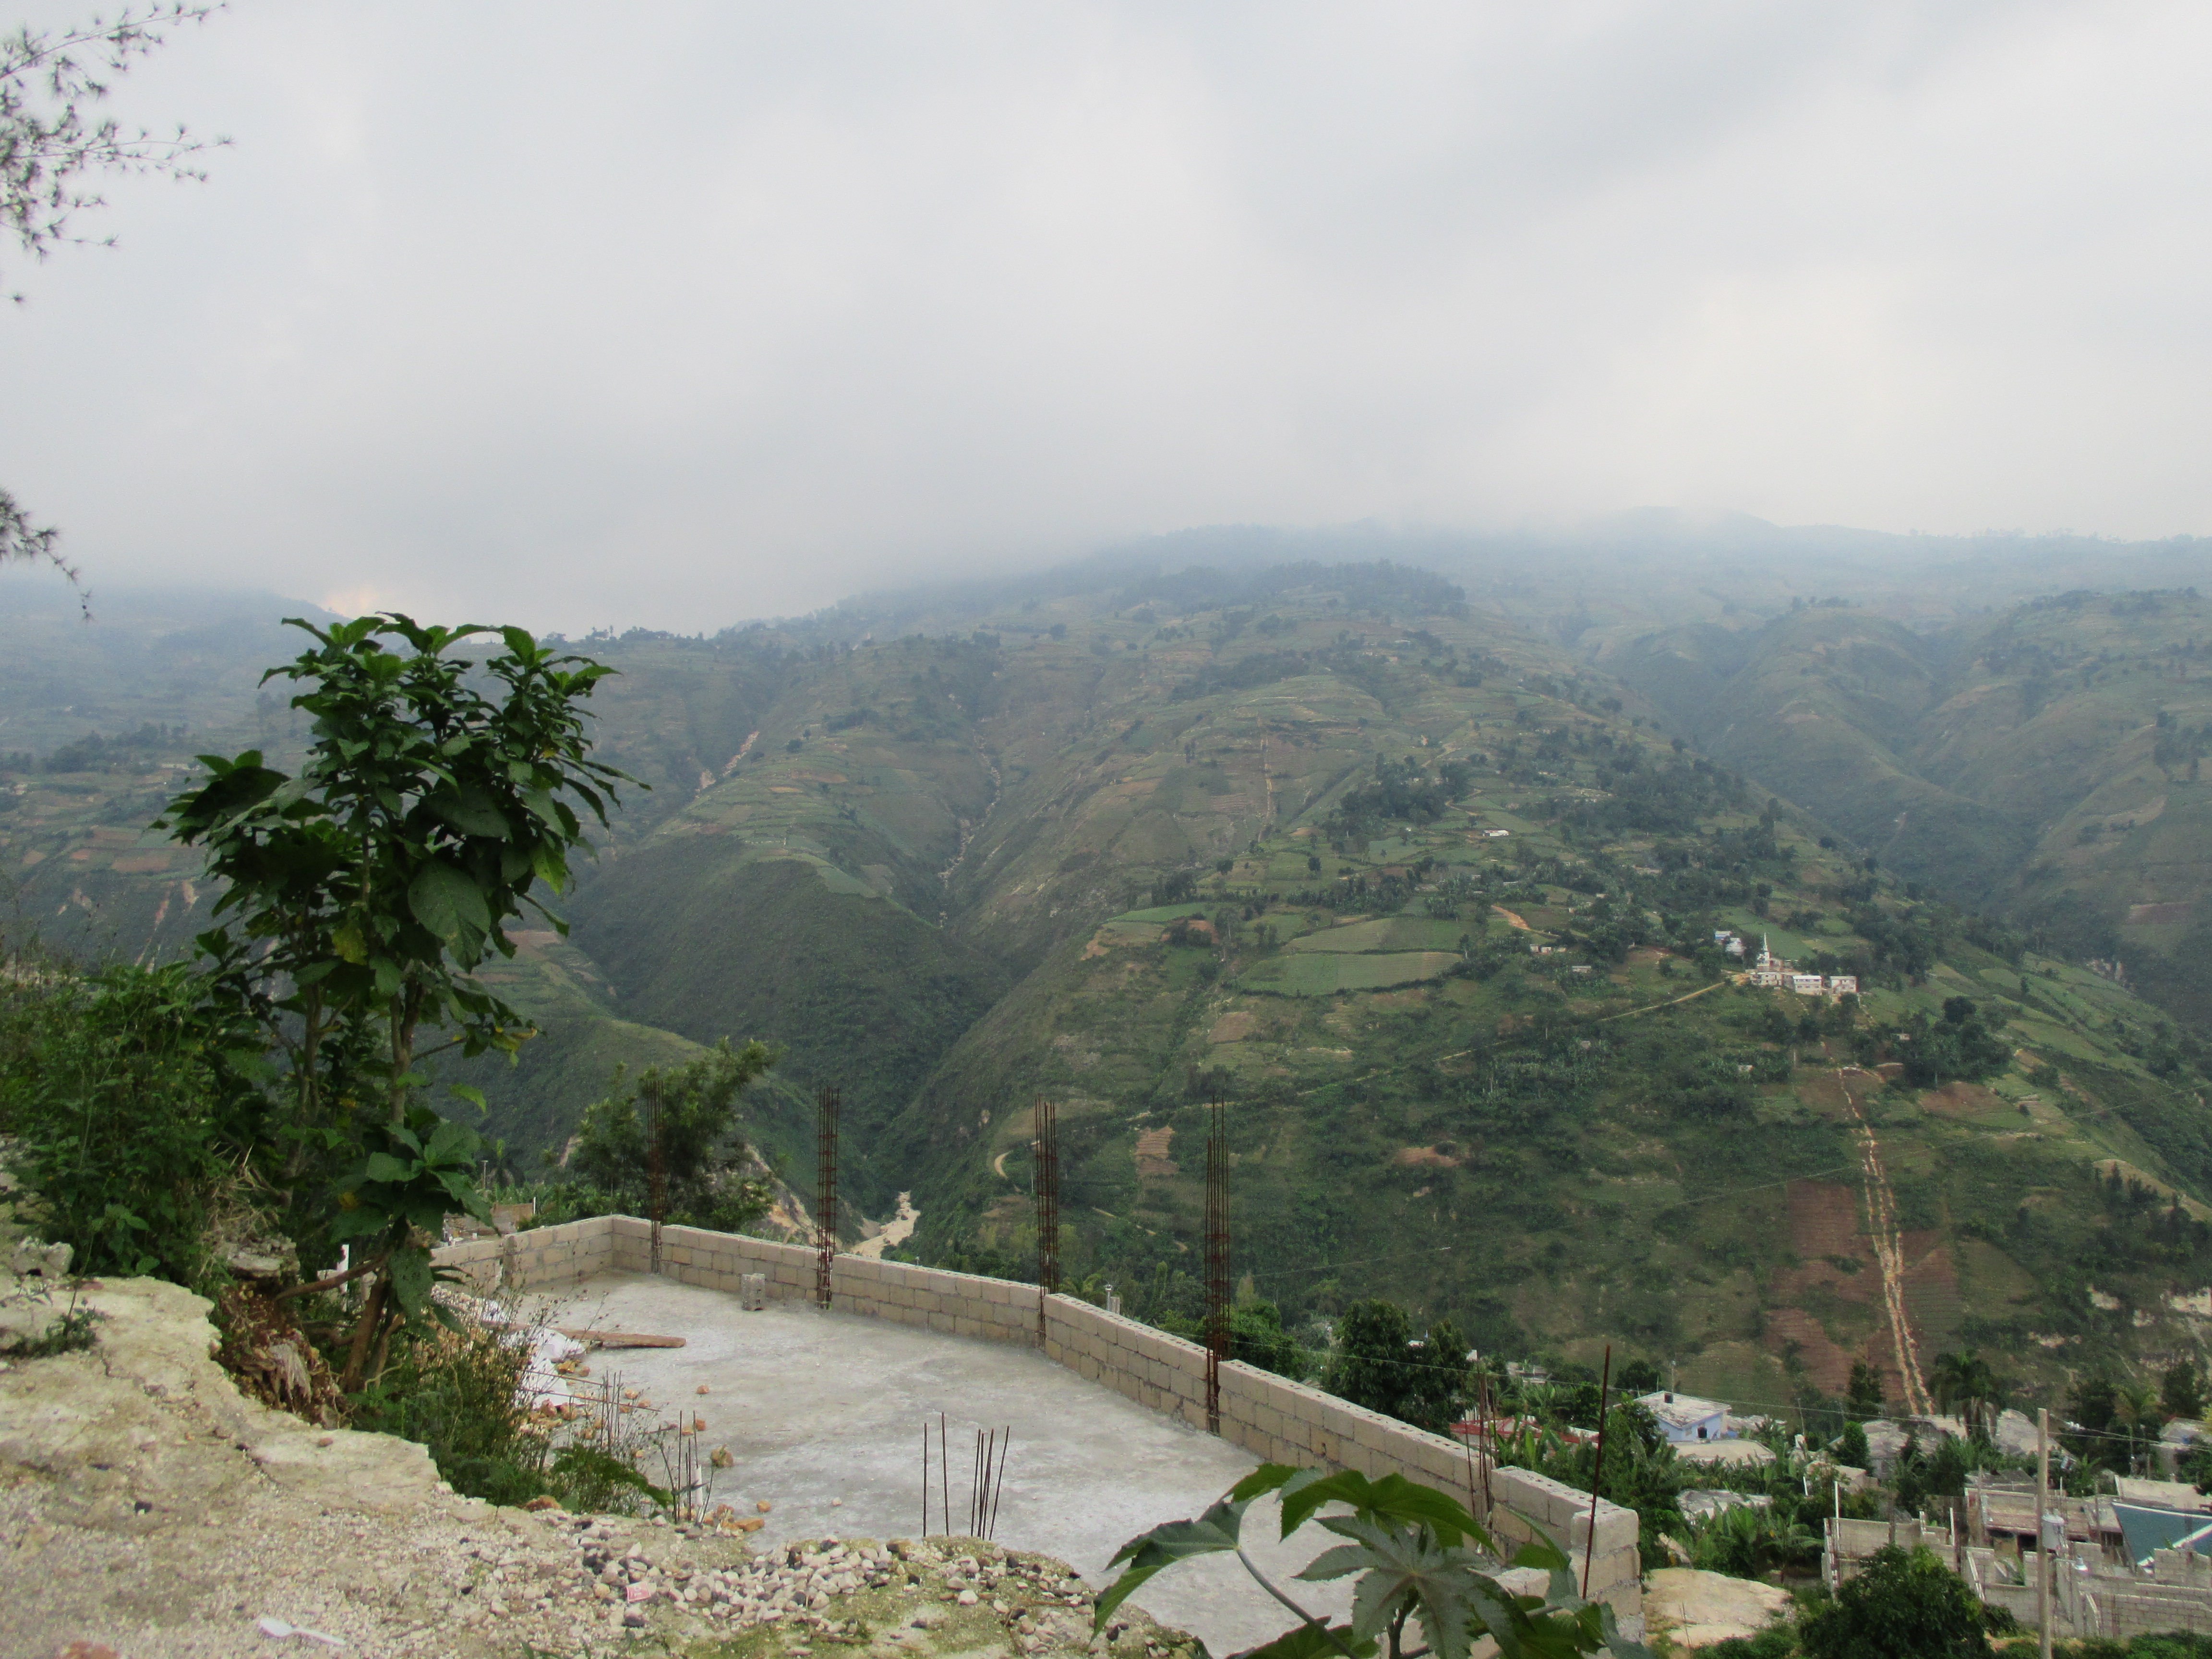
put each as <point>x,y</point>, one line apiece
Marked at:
<point>1274,1418</point>
<point>537,1258</point>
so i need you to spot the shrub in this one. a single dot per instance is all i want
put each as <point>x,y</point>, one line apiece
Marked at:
<point>129,1104</point>
<point>1905,1605</point>
<point>455,1392</point>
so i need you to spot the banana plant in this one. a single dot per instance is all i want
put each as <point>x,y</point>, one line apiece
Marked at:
<point>1421,1559</point>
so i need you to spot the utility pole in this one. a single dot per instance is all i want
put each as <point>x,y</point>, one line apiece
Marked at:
<point>2043,1526</point>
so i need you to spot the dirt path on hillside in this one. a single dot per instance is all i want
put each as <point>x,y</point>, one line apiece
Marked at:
<point>1889,1252</point>
<point>1511,920</point>
<point>1669,1003</point>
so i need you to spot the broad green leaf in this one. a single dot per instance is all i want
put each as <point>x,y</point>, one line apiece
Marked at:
<point>409,1269</point>
<point>1269,1477</point>
<point>1314,1641</point>
<point>382,1166</point>
<point>470,809</point>
<point>1543,1550</point>
<point>1393,1497</point>
<point>358,1224</point>
<point>1408,1567</point>
<point>450,1142</point>
<point>447,901</point>
<point>474,1096</point>
<point>1335,1562</point>
<point>1211,1533</point>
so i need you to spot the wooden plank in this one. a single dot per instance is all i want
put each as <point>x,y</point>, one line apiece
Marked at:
<point>622,1338</point>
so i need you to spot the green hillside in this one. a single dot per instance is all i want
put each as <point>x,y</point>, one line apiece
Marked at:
<point>1430,900</point>
<point>2044,763</point>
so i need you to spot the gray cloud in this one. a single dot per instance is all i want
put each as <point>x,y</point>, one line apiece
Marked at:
<point>677,314</point>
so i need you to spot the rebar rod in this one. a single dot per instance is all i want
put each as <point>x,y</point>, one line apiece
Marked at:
<point>1217,1258</point>
<point>1597,1474</point>
<point>1047,1206</point>
<point>826,1102</point>
<point>1000,1490</point>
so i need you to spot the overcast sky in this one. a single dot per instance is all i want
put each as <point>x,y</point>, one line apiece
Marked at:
<point>672,314</point>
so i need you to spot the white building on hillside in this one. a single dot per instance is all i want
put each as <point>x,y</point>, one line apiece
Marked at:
<point>1685,1419</point>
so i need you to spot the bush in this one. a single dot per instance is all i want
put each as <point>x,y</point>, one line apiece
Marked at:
<point>1749,1542</point>
<point>454,1392</point>
<point>1904,1606</point>
<point>130,1104</point>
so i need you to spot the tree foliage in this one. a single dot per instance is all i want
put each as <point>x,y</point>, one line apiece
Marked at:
<point>359,898</point>
<point>677,1124</point>
<point>1380,1365</point>
<point>130,1097</point>
<point>1904,1605</point>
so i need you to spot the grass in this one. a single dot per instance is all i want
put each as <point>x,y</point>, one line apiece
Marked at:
<point>1319,972</point>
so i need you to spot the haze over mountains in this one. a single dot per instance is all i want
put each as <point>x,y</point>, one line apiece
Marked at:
<point>1416,846</point>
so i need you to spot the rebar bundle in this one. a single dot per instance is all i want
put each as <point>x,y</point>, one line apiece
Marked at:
<point>986,1478</point>
<point>1047,1206</point>
<point>1216,1258</point>
<point>826,1102</point>
<point>656,1169</point>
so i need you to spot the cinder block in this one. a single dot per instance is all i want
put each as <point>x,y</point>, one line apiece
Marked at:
<point>1616,1530</point>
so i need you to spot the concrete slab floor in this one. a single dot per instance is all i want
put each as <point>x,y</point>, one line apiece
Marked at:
<point>823,1414</point>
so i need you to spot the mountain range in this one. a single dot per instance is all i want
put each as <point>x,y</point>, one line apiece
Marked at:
<point>1424,855</point>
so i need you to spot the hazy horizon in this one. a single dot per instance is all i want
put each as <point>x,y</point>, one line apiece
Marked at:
<point>747,311</point>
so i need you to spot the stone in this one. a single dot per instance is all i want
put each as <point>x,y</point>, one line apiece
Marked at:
<point>34,1257</point>
<point>1699,1609</point>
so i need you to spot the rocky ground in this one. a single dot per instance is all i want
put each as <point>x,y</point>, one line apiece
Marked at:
<point>148,1510</point>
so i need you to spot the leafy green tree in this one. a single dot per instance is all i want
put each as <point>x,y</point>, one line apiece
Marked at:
<point>1442,1381</point>
<point>1851,1448</point>
<point>1947,1470</point>
<point>1960,1047</point>
<point>684,1120</point>
<point>1903,1605</point>
<point>2136,1408</point>
<point>1257,1337</point>
<point>1965,1381</point>
<point>2181,1389</point>
<point>1379,1363</point>
<point>1638,1377</point>
<point>1369,1365</point>
<point>1863,1393</point>
<point>1910,1480</point>
<point>360,896</point>
<point>1745,1541</point>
